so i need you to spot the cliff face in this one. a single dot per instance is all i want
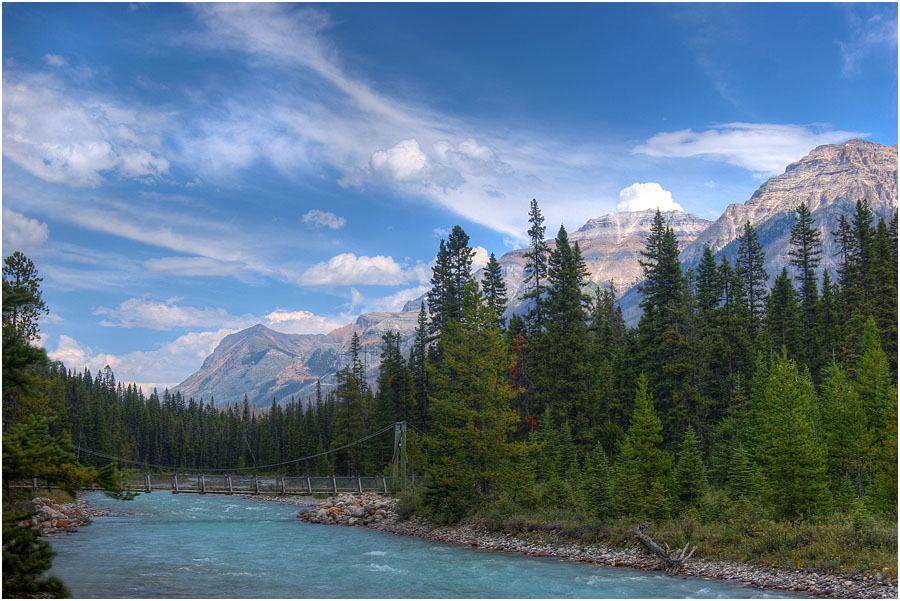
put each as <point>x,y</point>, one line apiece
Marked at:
<point>830,180</point>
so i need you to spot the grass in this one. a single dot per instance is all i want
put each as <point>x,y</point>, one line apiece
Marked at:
<point>836,544</point>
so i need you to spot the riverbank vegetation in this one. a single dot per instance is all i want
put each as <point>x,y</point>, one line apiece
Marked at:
<point>757,423</point>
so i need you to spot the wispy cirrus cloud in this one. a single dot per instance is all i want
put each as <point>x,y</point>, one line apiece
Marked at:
<point>764,148</point>
<point>870,34</point>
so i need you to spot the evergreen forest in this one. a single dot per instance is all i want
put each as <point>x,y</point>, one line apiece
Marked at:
<point>731,396</point>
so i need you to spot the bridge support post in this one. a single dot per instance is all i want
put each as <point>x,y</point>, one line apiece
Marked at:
<point>230,489</point>
<point>398,469</point>
<point>147,482</point>
<point>202,482</point>
<point>34,483</point>
<point>283,491</point>
<point>359,483</point>
<point>308,485</point>
<point>334,483</point>
<point>175,483</point>
<point>256,483</point>
<point>384,484</point>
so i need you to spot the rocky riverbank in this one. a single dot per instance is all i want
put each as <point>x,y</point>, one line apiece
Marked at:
<point>352,510</point>
<point>343,510</point>
<point>52,518</point>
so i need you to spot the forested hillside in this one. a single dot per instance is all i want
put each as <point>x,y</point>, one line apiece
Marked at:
<point>783,398</point>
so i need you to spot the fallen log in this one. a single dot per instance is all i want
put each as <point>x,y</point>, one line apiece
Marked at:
<point>673,561</point>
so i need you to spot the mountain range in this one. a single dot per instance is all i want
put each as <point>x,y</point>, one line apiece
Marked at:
<point>264,364</point>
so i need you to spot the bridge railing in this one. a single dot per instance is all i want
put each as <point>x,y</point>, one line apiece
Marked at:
<point>243,484</point>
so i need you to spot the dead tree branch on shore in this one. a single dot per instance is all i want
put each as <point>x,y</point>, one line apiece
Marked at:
<point>674,561</point>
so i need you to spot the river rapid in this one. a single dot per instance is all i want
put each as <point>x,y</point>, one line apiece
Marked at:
<point>216,546</point>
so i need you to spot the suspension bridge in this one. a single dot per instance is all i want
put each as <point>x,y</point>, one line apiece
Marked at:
<point>228,481</point>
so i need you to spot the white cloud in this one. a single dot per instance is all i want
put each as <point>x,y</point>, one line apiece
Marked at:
<point>480,258</point>
<point>650,195</point>
<point>74,138</point>
<point>166,366</point>
<point>143,313</point>
<point>195,266</point>
<point>305,322</point>
<point>347,269</point>
<point>395,301</point>
<point>404,161</point>
<point>56,60</point>
<point>21,233</point>
<point>760,147</point>
<point>318,218</point>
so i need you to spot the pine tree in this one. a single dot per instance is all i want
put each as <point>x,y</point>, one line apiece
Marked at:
<point>642,465</point>
<point>597,483</point>
<point>663,328</point>
<point>690,474</point>
<point>806,254</point>
<point>20,278</point>
<point>494,289</point>
<point>787,446</point>
<point>470,450</point>
<point>848,439</point>
<point>749,268</point>
<point>563,376</point>
<point>536,267</point>
<point>451,273</point>
<point>783,318</point>
<point>417,366</point>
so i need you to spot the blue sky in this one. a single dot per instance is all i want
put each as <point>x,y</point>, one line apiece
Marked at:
<point>180,172</point>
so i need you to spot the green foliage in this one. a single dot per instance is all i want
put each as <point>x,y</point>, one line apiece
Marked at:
<point>471,454</point>
<point>690,473</point>
<point>787,446</point>
<point>749,268</point>
<point>25,559</point>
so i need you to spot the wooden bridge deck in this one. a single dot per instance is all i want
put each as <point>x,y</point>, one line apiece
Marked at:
<point>246,485</point>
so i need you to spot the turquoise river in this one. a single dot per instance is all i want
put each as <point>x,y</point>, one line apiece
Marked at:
<point>211,546</point>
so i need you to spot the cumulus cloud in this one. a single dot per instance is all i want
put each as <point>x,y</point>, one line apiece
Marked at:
<point>318,218</point>
<point>401,162</point>
<point>760,147</point>
<point>195,266</point>
<point>155,315</point>
<point>347,269</point>
<point>74,138</point>
<point>650,195</point>
<point>394,302</point>
<point>21,233</point>
<point>480,258</point>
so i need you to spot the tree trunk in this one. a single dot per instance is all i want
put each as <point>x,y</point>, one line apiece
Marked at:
<point>673,561</point>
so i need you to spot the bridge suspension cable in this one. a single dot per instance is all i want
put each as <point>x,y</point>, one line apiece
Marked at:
<point>239,469</point>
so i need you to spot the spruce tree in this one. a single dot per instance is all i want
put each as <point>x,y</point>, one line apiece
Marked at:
<point>787,445</point>
<point>643,465</point>
<point>494,289</point>
<point>749,268</point>
<point>597,483</point>
<point>535,267</point>
<point>471,453</point>
<point>783,317</point>
<point>563,376</point>
<point>806,254</point>
<point>844,423</point>
<point>690,473</point>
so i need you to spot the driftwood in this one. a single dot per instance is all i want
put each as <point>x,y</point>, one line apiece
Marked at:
<point>674,561</point>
